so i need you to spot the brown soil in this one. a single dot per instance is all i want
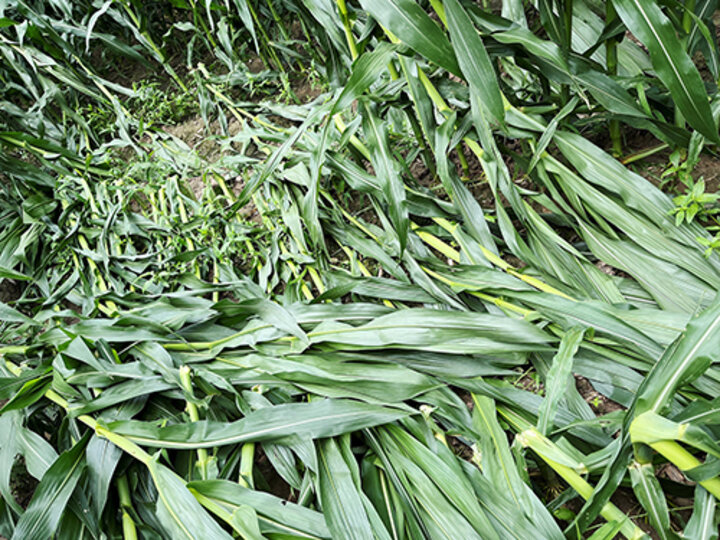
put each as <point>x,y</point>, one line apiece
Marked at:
<point>422,174</point>
<point>672,473</point>
<point>529,384</point>
<point>22,485</point>
<point>194,133</point>
<point>255,64</point>
<point>275,483</point>
<point>10,290</point>
<point>599,403</point>
<point>709,169</point>
<point>306,91</point>
<point>652,167</point>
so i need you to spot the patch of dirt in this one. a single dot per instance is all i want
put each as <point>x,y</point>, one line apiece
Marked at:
<point>652,167</point>
<point>606,268</point>
<point>22,485</point>
<point>197,185</point>
<point>599,403</point>
<point>306,92</point>
<point>672,473</point>
<point>274,482</point>
<point>529,384</point>
<point>460,449</point>
<point>701,64</point>
<point>708,168</point>
<point>138,202</point>
<point>191,132</point>
<point>10,290</point>
<point>422,174</point>
<point>475,175</point>
<point>194,133</point>
<point>626,501</point>
<point>119,70</point>
<point>611,270</point>
<point>465,396</point>
<point>255,64</point>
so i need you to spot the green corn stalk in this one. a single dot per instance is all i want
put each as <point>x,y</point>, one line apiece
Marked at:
<point>202,455</point>
<point>129,528</point>
<point>522,282</point>
<point>530,437</point>
<point>662,436</point>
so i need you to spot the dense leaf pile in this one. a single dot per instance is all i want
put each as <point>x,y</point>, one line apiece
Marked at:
<point>362,315</point>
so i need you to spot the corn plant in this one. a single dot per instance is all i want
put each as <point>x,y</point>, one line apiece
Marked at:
<point>366,314</point>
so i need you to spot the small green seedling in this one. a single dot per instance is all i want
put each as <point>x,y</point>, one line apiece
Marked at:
<point>694,203</point>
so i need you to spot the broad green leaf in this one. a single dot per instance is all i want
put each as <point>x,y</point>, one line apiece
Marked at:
<point>426,329</point>
<point>12,274</point>
<point>333,375</point>
<point>411,24</point>
<point>683,362</point>
<point>474,60</point>
<point>30,392</point>
<point>120,393</point>
<point>444,473</point>
<point>246,17</point>
<point>245,522</point>
<point>549,132</point>
<point>178,511</point>
<point>468,206</point>
<point>672,64</point>
<point>341,503</point>
<point>276,515</point>
<point>502,469</point>
<point>321,418</point>
<point>649,493</point>
<point>38,453</point>
<point>271,165</point>
<point>387,172</point>
<point>441,519</point>
<point>608,531</point>
<point>102,459</point>
<point>703,523</point>
<point>43,514</point>
<point>8,314</point>
<point>365,72</point>
<point>559,377</point>
<point>590,314</point>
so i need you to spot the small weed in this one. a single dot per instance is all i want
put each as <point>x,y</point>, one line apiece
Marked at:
<point>682,163</point>
<point>678,168</point>
<point>694,203</point>
<point>153,105</point>
<point>101,120</point>
<point>711,244</point>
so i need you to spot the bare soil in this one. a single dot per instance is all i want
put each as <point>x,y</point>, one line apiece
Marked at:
<point>10,290</point>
